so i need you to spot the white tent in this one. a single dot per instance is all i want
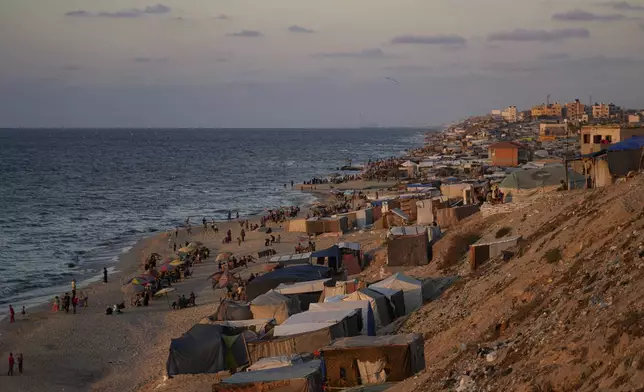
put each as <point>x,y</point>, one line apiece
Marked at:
<point>311,321</point>
<point>301,287</point>
<point>412,289</point>
<point>364,306</point>
<point>379,305</point>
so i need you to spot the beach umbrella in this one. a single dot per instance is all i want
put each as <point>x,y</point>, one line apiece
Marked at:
<point>165,292</point>
<point>177,262</point>
<point>223,256</point>
<point>193,245</point>
<point>216,275</point>
<point>185,249</point>
<point>133,289</point>
<point>166,268</point>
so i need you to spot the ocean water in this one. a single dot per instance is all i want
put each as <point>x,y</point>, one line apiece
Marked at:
<point>86,196</point>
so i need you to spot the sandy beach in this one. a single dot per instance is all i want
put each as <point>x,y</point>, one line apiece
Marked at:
<point>90,351</point>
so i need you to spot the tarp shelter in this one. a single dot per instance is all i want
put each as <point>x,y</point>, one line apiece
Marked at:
<point>333,288</point>
<point>274,305</point>
<point>364,360</point>
<point>276,362</point>
<point>349,321</point>
<point>364,218</point>
<point>409,250</point>
<point>294,259</point>
<point>332,255</point>
<point>309,342</point>
<point>412,289</point>
<point>626,156</point>
<point>382,311</point>
<point>200,350</point>
<point>368,321</point>
<point>544,177</point>
<point>298,273</point>
<point>258,326</point>
<point>303,377</point>
<point>396,299</point>
<point>302,287</point>
<point>232,310</point>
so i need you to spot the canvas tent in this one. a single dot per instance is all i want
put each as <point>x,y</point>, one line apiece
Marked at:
<point>396,299</point>
<point>382,311</point>
<point>303,377</point>
<point>305,292</point>
<point>333,257</point>
<point>298,273</point>
<point>626,156</point>
<point>231,310</point>
<point>200,350</point>
<point>548,176</point>
<point>349,320</point>
<point>368,321</point>
<point>257,326</point>
<point>276,362</point>
<point>412,289</point>
<point>364,360</point>
<point>275,306</point>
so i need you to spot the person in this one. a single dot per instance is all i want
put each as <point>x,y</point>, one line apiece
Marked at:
<point>12,314</point>
<point>104,275</point>
<point>11,362</point>
<point>239,241</point>
<point>189,229</point>
<point>24,311</point>
<point>56,305</point>
<point>272,239</point>
<point>174,247</point>
<point>73,287</point>
<point>229,215</point>
<point>237,215</point>
<point>251,277</point>
<point>146,298</point>
<point>243,235</point>
<point>192,299</point>
<point>176,231</point>
<point>85,300</point>
<point>66,300</point>
<point>20,360</point>
<point>205,224</point>
<point>279,238</point>
<point>74,303</point>
<point>215,227</point>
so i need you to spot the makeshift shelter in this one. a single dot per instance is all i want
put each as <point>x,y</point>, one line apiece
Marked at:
<point>548,177</point>
<point>303,377</point>
<point>305,292</point>
<point>332,257</point>
<point>200,350</point>
<point>294,259</point>
<point>340,287</point>
<point>382,310</point>
<point>257,326</point>
<point>298,273</point>
<point>368,321</point>
<point>276,362</point>
<point>364,218</point>
<point>309,342</point>
<point>347,322</point>
<point>232,310</point>
<point>626,156</point>
<point>409,250</point>
<point>352,258</point>
<point>412,289</point>
<point>274,305</point>
<point>365,360</point>
<point>396,299</point>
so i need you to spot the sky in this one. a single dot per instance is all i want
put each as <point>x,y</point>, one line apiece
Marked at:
<point>309,63</point>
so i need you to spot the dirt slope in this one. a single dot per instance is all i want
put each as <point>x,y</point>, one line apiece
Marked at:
<point>566,313</point>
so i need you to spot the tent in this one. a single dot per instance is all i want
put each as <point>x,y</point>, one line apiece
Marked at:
<point>626,156</point>
<point>276,362</point>
<point>298,273</point>
<point>365,360</point>
<point>306,292</point>
<point>303,377</point>
<point>232,310</point>
<point>412,289</point>
<point>548,176</point>
<point>333,254</point>
<point>396,298</point>
<point>340,287</point>
<point>382,311</point>
<point>274,305</point>
<point>200,350</point>
<point>258,326</point>
<point>368,321</point>
<point>348,321</point>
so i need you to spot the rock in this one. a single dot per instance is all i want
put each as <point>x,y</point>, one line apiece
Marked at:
<point>465,384</point>
<point>491,357</point>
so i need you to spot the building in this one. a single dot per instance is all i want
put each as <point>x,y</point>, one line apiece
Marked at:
<point>551,110</point>
<point>575,110</point>
<point>508,154</point>
<point>525,115</point>
<point>509,114</point>
<point>495,113</point>
<point>595,138</point>
<point>551,131</point>
<point>634,118</point>
<point>605,111</point>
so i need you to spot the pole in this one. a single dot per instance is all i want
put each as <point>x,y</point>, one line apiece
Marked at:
<point>566,158</point>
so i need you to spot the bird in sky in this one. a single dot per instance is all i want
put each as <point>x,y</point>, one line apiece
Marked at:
<point>392,79</point>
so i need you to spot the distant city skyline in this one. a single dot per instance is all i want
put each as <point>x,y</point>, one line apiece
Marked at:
<point>294,63</point>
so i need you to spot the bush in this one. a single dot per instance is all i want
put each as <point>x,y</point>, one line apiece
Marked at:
<point>502,232</point>
<point>553,255</point>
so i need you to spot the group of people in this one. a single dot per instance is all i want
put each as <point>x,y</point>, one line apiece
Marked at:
<point>12,362</point>
<point>70,301</point>
<point>279,215</point>
<point>233,262</point>
<point>381,169</point>
<point>182,302</point>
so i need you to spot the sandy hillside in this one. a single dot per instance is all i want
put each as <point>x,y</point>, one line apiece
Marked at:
<point>565,313</point>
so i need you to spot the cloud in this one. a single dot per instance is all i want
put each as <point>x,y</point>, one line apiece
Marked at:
<point>362,54</point>
<point>429,40</point>
<point>149,59</point>
<point>126,13</point>
<point>623,5</point>
<point>410,68</point>
<point>247,34</point>
<point>221,17</point>
<point>556,56</point>
<point>523,35</point>
<point>299,29</point>
<point>584,16</point>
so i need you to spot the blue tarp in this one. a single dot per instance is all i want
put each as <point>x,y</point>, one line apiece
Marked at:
<point>634,143</point>
<point>299,273</point>
<point>333,251</point>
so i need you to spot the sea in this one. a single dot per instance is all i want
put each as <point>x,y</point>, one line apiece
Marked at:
<point>73,201</point>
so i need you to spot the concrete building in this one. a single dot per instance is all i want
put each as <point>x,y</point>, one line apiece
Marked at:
<point>634,118</point>
<point>596,138</point>
<point>552,110</point>
<point>525,115</point>
<point>508,154</point>
<point>605,111</point>
<point>575,110</point>
<point>551,131</point>
<point>509,114</point>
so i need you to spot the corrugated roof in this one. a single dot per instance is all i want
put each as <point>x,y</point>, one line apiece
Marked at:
<point>506,145</point>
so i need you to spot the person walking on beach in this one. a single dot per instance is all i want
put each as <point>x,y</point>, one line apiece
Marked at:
<point>174,248</point>
<point>242,234</point>
<point>20,359</point>
<point>205,224</point>
<point>74,303</point>
<point>237,215</point>
<point>12,315</point>
<point>23,312</point>
<point>104,275</point>
<point>215,228</point>
<point>11,362</point>
<point>66,301</point>
<point>230,213</point>
<point>73,287</point>
<point>56,305</point>
<point>176,231</point>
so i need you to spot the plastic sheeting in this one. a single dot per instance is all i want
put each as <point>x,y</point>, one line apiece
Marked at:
<point>200,350</point>
<point>396,298</point>
<point>546,176</point>
<point>379,305</point>
<point>412,289</point>
<point>274,305</point>
<point>299,273</point>
<point>368,321</point>
<point>302,287</point>
<point>312,321</point>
